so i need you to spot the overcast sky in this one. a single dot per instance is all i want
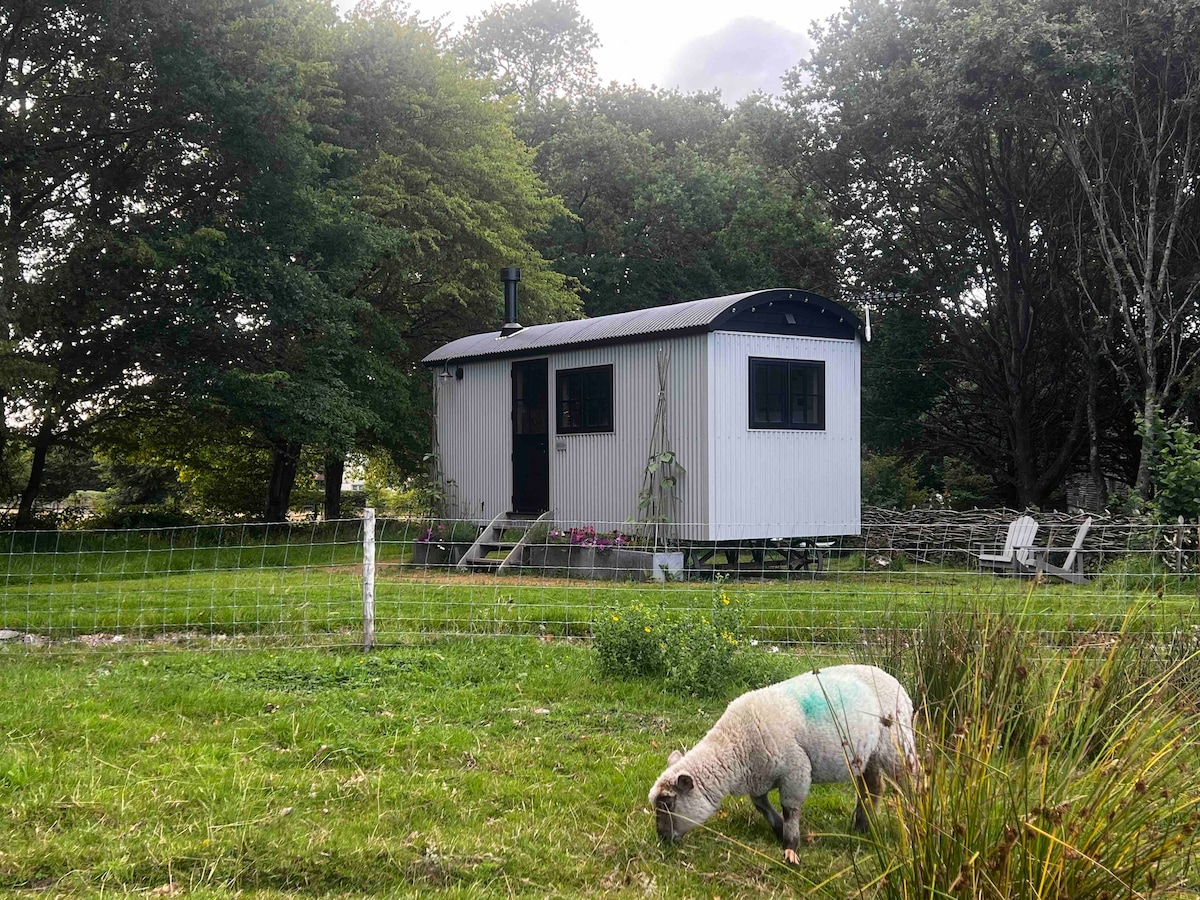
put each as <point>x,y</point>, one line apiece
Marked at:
<point>690,44</point>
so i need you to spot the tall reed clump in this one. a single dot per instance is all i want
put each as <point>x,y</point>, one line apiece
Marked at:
<point>1069,774</point>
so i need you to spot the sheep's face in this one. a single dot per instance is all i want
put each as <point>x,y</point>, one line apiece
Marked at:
<point>679,806</point>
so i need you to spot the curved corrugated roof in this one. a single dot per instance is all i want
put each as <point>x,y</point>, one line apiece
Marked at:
<point>632,326</point>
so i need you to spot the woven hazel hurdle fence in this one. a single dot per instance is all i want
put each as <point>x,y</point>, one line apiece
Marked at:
<point>949,536</point>
<point>935,534</point>
<point>381,581</point>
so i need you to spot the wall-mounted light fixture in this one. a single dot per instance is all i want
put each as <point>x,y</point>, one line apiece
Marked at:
<point>445,373</point>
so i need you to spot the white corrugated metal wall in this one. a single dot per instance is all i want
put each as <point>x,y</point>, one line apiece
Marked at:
<point>782,483</point>
<point>739,482</point>
<point>475,438</point>
<point>595,478</point>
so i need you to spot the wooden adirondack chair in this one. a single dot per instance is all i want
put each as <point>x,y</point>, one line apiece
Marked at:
<point>1018,545</point>
<point>1038,559</point>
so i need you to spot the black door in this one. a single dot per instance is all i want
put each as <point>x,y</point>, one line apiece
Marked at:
<point>531,438</point>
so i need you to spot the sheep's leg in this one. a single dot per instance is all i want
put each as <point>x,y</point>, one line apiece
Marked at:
<point>791,830</point>
<point>763,804</point>
<point>793,791</point>
<point>868,786</point>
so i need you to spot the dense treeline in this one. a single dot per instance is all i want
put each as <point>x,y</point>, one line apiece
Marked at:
<point>229,230</point>
<point>259,218</point>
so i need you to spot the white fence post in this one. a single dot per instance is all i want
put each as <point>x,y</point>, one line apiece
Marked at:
<point>368,578</point>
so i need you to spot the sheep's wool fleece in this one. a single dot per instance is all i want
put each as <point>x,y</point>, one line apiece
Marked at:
<point>840,716</point>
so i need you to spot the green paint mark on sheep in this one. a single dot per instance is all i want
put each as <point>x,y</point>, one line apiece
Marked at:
<point>817,700</point>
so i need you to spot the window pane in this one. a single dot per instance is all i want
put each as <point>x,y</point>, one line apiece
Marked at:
<point>787,394</point>
<point>770,392</point>
<point>585,400</point>
<point>807,395</point>
<point>568,415</point>
<point>602,411</point>
<point>530,408</point>
<point>803,396</point>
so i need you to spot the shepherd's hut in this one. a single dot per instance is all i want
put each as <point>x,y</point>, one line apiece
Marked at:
<point>730,419</point>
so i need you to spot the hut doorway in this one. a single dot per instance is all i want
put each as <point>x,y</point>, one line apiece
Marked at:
<point>531,440</point>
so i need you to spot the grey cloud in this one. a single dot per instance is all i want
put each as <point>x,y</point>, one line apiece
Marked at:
<point>746,55</point>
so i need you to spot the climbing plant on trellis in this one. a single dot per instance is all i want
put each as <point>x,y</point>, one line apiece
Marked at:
<point>658,498</point>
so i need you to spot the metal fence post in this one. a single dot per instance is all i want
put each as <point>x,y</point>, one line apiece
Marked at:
<point>368,578</point>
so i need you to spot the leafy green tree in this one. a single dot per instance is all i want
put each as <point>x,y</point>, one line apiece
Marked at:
<point>452,197</point>
<point>946,189</point>
<point>259,216</point>
<point>269,316</point>
<point>668,118</point>
<point>220,263</point>
<point>536,50</point>
<point>963,486</point>
<point>900,379</point>
<point>890,482</point>
<point>444,179</point>
<point>154,463</point>
<point>1177,474</point>
<point>669,203</point>
<point>1120,92</point>
<point>83,118</point>
<point>79,353</point>
<point>134,484</point>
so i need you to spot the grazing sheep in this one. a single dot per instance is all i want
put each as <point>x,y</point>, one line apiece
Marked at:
<point>842,723</point>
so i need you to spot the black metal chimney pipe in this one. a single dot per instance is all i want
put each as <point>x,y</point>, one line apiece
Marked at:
<point>510,277</point>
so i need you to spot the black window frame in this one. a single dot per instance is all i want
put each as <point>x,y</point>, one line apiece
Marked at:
<point>759,366</point>
<point>562,377</point>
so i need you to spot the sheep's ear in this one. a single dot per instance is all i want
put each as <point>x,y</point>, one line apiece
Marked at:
<point>684,782</point>
<point>675,757</point>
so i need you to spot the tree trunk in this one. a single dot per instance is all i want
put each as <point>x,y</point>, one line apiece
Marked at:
<point>335,467</point>
<point>1093,417</point>
<point>10,278</point>
<point>1024,462</point>
<point>41,447</point>
<point>1150,414</point>
<point>1025,466</point>
<point>283,478</point>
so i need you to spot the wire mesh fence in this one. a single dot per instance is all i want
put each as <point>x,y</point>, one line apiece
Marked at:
<point>303,584</point>
<point>289,583</point>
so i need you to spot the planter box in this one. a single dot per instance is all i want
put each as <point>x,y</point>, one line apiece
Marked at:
<point>570,558</point>
<point>438,553</point>
<point>604,563</point>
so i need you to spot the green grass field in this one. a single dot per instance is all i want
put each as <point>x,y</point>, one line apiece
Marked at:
<point>465,757</point>
<point>491,767</point>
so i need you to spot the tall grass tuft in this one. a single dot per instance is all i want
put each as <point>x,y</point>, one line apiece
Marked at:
<point>1070,776</point>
